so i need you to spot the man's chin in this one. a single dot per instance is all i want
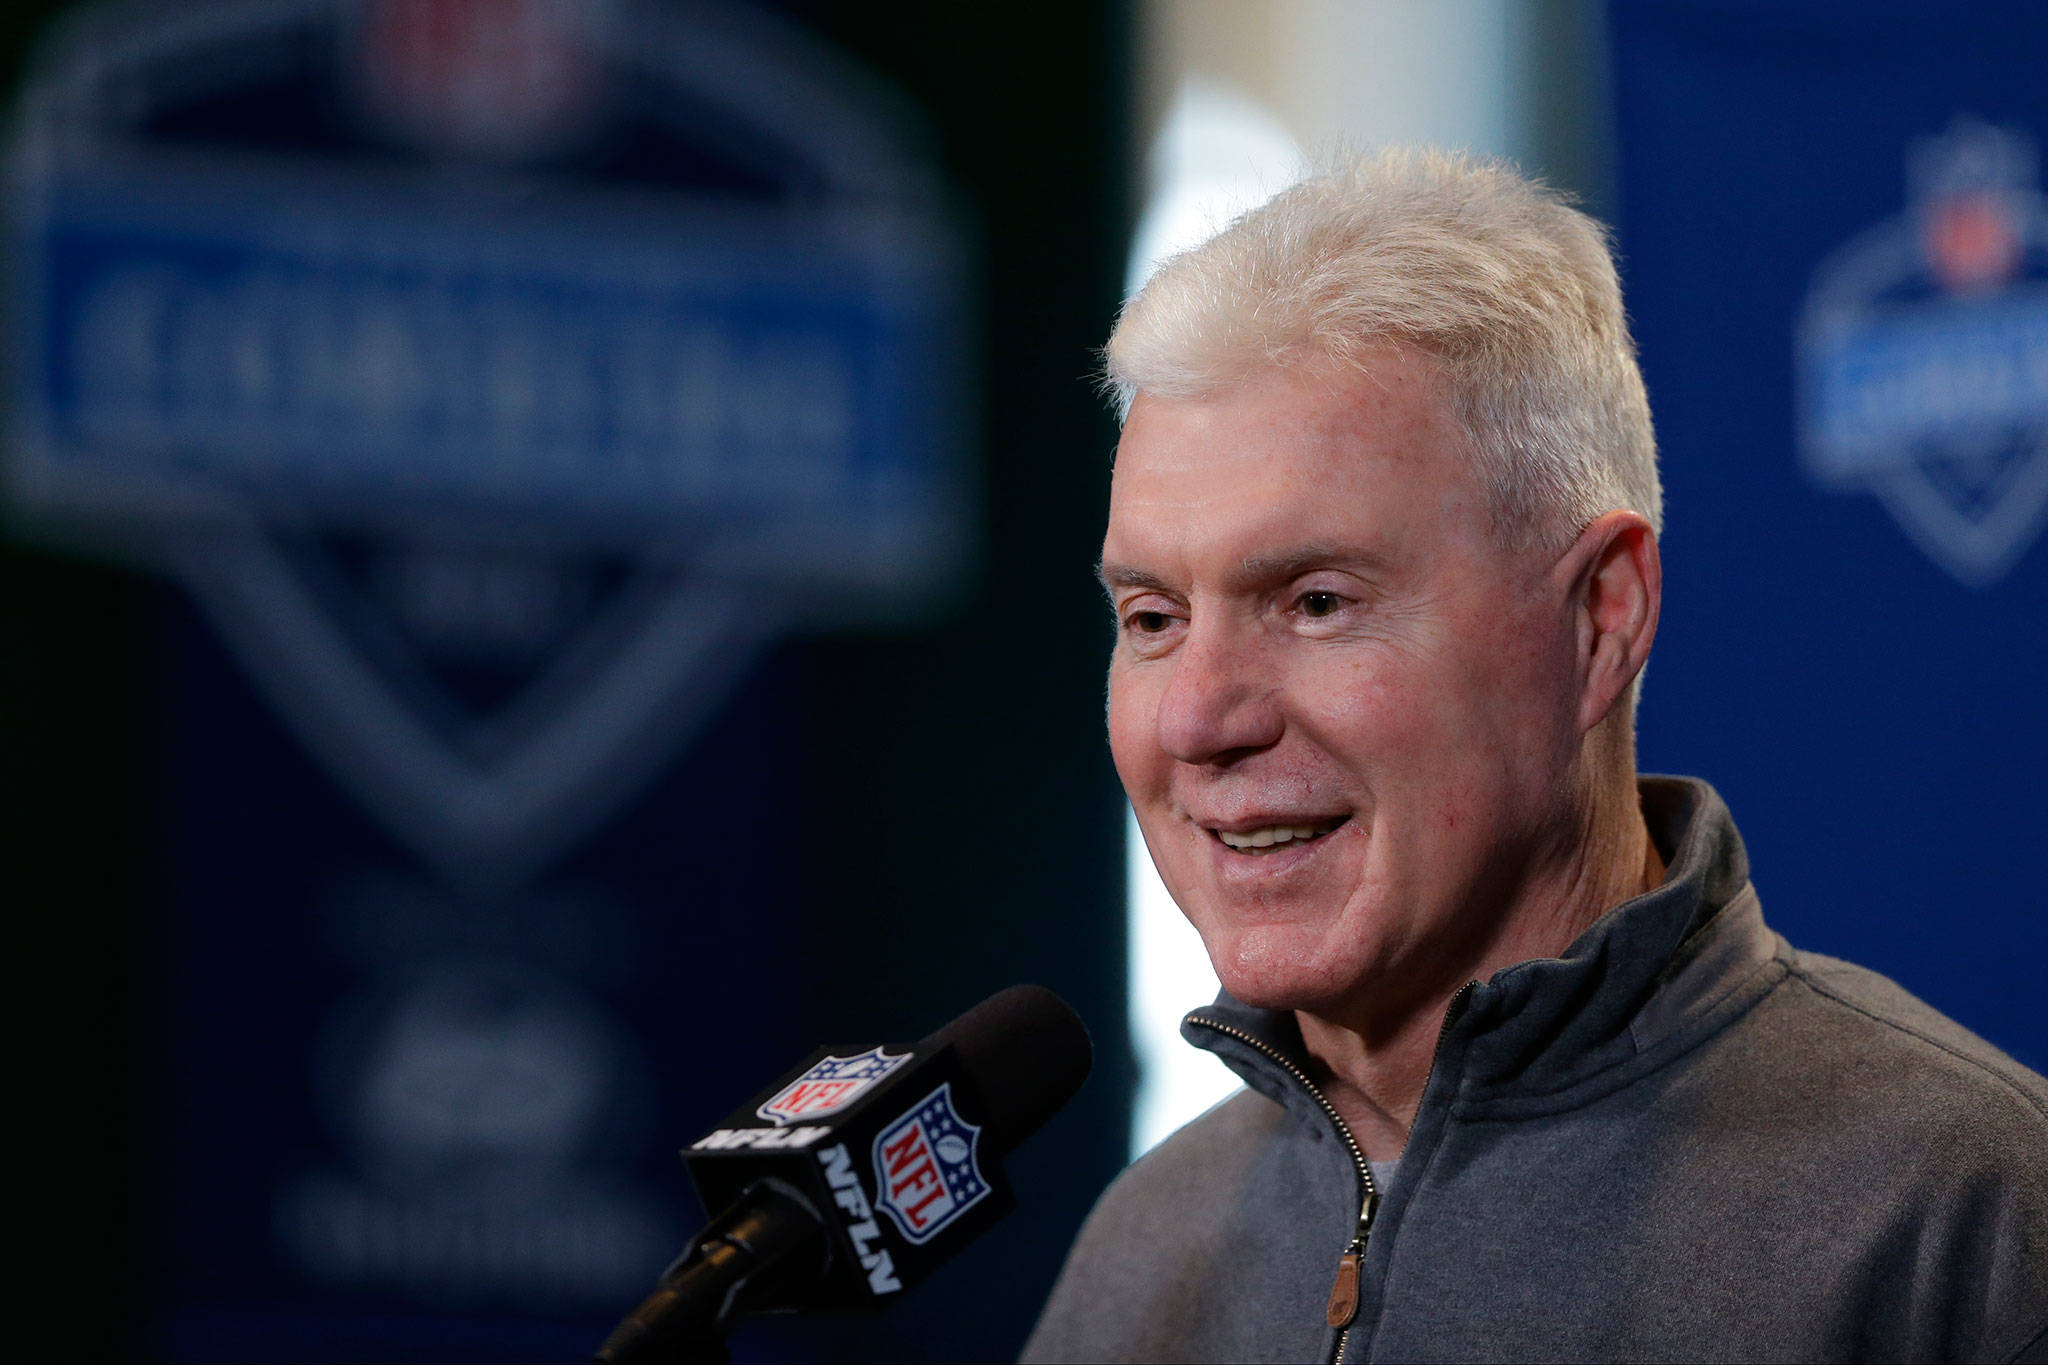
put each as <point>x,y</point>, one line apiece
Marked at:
<point>1272,967</point>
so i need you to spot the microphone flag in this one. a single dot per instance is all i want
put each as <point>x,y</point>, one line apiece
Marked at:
<point>891,1147</point>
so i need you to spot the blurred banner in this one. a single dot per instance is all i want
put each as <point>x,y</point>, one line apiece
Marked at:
<point>507,384</point>
<point>1835,247</point>
<point>492,373</point>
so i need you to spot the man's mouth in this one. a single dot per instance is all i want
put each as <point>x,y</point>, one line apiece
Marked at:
<point>1268,837</point>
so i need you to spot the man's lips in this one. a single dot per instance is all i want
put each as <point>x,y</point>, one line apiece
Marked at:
<point>1266,834</point>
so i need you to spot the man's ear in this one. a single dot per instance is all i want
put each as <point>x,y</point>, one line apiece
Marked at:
<point>1617,588</point>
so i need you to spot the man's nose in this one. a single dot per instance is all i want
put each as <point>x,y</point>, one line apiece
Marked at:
<point>1221,701</point>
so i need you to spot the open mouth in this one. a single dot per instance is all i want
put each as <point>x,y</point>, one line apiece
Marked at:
<point>1268,838</point>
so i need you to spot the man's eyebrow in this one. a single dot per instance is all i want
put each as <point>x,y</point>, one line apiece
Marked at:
<point>1275,567</point>
<point>1114,576</point>
<point>1285,564</point>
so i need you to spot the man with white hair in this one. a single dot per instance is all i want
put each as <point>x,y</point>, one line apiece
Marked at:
<point>1528,1075</point>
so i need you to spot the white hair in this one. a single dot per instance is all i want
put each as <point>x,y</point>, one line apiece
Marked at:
<point>1499,278</point>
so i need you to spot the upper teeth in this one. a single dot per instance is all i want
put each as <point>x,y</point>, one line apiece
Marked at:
<point>1273,834</point>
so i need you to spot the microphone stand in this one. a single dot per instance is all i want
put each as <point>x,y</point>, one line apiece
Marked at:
<point>770,1228</point>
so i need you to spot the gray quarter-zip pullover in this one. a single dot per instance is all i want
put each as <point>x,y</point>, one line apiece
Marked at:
<point>1682,1140</point>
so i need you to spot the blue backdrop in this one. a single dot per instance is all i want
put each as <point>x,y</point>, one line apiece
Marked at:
<point>1836,257</point>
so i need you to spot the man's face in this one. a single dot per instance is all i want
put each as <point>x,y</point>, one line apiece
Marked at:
<point>1345,716</point>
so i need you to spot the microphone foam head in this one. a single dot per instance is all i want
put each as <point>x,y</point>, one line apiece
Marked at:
<point>1026,1052</point>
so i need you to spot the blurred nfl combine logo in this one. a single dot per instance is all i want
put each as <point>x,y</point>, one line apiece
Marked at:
<point>1924,355</point>
<point>500,376</point>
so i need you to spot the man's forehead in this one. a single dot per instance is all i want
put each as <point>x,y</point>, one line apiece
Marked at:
<point>1289,470</point>
<point>1275,518</point>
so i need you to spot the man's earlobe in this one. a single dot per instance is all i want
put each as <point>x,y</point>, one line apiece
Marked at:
<point>1620,590</point>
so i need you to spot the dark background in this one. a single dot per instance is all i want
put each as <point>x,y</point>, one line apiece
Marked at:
<point>943,818</point>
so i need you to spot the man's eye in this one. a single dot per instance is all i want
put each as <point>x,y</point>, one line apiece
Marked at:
<point>1320,603</point>
<point>1148,622</point>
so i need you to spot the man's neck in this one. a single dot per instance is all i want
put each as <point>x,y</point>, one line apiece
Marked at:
<point>1374,1072</point>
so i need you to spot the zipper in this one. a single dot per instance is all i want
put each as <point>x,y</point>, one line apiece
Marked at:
<point>1344,1291</point>
<point>1452,1013</point>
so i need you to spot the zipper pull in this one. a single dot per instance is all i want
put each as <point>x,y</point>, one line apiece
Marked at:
<point>1344,1292</point>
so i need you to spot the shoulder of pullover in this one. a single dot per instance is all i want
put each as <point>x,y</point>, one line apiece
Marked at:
<point>1861,1094</point>
<point>1893,1019</point>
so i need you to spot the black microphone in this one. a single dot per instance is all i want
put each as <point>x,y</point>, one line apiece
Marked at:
<point>859,1172</point>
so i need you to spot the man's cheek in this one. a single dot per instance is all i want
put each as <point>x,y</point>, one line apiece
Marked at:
<point>1128,734</point>
<point>1133,719</point>
<point>1374,715</point>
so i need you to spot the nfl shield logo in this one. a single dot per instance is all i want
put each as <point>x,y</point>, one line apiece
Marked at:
<point>1924,356</point>
<point>926,1170</point>
<point>830,1086</point>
